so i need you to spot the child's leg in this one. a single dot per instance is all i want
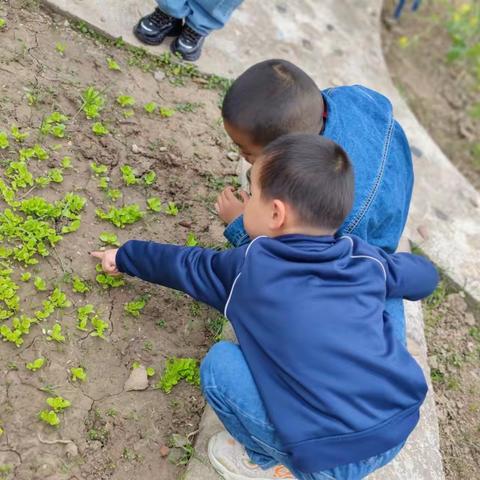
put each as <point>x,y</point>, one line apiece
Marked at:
<point>230,390</point>
<point>174,8</point>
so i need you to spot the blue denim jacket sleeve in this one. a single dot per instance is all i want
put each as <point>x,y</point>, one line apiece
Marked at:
<point>235,233</point>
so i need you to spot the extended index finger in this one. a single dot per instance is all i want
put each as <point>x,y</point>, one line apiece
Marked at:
<point>97,254</point>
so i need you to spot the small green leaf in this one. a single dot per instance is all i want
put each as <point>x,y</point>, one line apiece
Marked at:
<point>72,227</point>
<point>58,403</point>
<point>150,371</point>
<point>135,365</point>
<point>25,277</point>
<point>36,364</point>
<point>56,333</point>
<point>113,65</point>
<point>98,169</point>
<point>125,101</point>
<point>149,177</point>
<point>154,204</point>
<point>109,238</point>
<point>99,129</point>
<point>166,112</point>
<point>191,240</point>
<point>4,143</point>
<point>50,417</point>
<point>60,47</point>
<point>78,374</point>
<point>66,162</point>
<point>78,285</point>
<point>171,209</point>
<point>40,284</point>
<point>3,23</point>
<point>150,107</point>
<point>136,306</point>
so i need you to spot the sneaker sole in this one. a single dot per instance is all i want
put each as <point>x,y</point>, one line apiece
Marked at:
<point>189,57</point>
<point>226,474</point>
<point>155,43</point>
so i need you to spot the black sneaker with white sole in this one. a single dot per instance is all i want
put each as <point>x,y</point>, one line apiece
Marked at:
<point>188,44</point>
<point>152,29</point>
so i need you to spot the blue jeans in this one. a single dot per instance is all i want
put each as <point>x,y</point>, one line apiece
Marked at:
<point>203,16</point>
<point>230,390</point>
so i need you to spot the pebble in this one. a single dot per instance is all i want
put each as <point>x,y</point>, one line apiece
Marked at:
<point>470,319</point>
<point>135,148</point>
<point>233,156</point>
<point>159,75</point>
<point>164,451</point>
<point>138,380</point>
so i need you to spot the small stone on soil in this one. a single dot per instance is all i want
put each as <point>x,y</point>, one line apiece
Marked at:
<point>159,75</point>
<point>138,380</point>
<point>164,451</point>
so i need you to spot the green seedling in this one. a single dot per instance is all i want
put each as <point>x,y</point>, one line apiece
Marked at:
<point>25,277</point>
<point>79,286</point>
<point>100,326</point>
<point>92,103</point>
<point>54,125</point>
<point>150,177</point>
<point>60,48</point>
<point>166,112</point>
<point>129,175</point>
<point>36,364</point>
<point>154,204</point>
<point>66,162</point>
<point>150,107</point>
<point>113,65</point>
<point>178,369</point>
<point>136,364</point>
<point>99,129</point>
<point>4,143</point>
<point>98,169</point>
<point>109,281</point>
<point>58,404</point>
<point>109,239</point>
<point>18,135</point>
<point>55,175</point>
<point>128,113</point>
<point>103,183</point>
<point>114,194</point>
<point>171,209</point>
<point>3,23</point>
<point>134,307</point>
<point>40,284</point>
<point>56,334</point>
<point>120,217</point>
<point>187,107</point>
<point>78,374</point>
<point>72,227</point>
<point>191,240</point>
<point>83,315</point>
<point>125,101</point>
<point>49,417</point>
<point>150,371</point>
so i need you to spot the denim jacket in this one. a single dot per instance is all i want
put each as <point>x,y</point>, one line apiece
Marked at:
<point>361,121</point>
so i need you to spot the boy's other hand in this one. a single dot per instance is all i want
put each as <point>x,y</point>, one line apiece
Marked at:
<point>228,206</point>
<point>107,258</point>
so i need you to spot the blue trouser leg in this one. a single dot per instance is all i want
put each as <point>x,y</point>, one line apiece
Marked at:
<point>203,16</point>
<point>229,388</point>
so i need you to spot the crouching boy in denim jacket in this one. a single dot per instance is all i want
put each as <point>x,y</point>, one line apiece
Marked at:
<point>319,386</point>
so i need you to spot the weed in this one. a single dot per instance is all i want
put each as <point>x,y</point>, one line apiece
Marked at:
<point>215,326</point>
<point>188,107</point>
<point>148,346</point>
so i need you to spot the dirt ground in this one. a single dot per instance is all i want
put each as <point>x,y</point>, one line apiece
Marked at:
<point>441,95</point>
<point>107,433</point>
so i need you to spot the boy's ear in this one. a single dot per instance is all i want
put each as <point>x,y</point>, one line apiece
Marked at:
<point>278,217</point>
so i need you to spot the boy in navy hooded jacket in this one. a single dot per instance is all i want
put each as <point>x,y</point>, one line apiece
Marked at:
<point>319,386</point>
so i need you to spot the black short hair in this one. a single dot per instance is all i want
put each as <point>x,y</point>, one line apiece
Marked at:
<point>273,98</point>
<point>312,174</point>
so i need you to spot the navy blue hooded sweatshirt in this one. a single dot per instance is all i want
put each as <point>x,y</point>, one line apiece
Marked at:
<point>309,315</point>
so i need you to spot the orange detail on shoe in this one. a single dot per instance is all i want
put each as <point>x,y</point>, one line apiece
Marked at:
<point>231,441</point>
<point>282,472</point>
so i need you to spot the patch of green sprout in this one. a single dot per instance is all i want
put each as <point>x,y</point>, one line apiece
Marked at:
<point>99,129</point>
<point>176,370</point>
<point>171,209</point>
<point>120,217</point>
<point>149,177</point>
<point>135,307</point>
<point>191,240</point>
<point>78,374</point>
<point>154,204</point>
<point>129,175</point>
<point>125,101</point>
<point>109,238</point>
<point>150,107</point>
<point>166,112</point>
<point>55,334</point>
<point>37,364</point>
<point>79,285</point>
<point>113,65</point>
<point>92,103</point>
<point>4,143</point>
<point>18,135</point>
<point>60,48</point>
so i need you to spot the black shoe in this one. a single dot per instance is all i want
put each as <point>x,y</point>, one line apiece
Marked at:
<point>152,29</point>
<point>188,44</point>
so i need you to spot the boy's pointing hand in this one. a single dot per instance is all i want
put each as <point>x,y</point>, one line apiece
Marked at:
<point>107,258</point>
<point>228,206</point>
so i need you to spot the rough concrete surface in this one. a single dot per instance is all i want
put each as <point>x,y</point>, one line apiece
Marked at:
<point>339,43</point>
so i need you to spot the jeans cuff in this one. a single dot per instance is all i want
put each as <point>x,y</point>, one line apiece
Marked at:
<point>235,232</point>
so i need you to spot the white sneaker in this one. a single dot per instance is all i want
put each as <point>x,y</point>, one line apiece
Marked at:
<point>231,461</point>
